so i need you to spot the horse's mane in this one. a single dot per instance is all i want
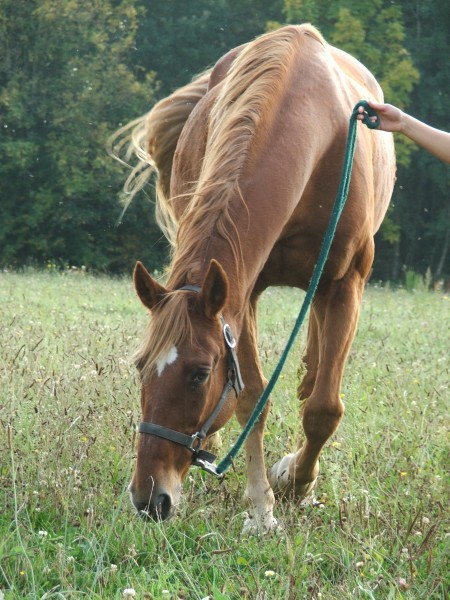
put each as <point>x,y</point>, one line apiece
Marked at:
<point>152,140</point>
<point>246,99</point>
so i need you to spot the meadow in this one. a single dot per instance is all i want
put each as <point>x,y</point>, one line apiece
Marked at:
<point>69,405</point>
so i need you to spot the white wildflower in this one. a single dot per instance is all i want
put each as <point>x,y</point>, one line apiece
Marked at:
<point>269,573</point>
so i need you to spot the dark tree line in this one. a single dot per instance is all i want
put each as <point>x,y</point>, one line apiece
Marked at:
<point>72,72</point>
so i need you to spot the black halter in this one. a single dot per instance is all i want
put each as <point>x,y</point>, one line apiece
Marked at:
<point>202,458</point>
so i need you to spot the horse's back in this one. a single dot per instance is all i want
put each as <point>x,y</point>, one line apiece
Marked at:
<point>290,170</point>
<point>313,120</point>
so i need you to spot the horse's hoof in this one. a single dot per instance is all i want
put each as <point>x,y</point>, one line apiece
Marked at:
<point>305,492</point>
<point>279,476</point>
<point>261,526</point>
<point>283,483</point>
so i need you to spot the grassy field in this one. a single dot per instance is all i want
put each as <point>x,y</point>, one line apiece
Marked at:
<point>69,404</point>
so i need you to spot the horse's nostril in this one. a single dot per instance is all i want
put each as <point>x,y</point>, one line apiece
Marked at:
<point>161,506</point>
<point>158,508</point>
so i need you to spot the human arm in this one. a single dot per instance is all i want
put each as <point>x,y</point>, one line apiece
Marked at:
<point>393,119</point>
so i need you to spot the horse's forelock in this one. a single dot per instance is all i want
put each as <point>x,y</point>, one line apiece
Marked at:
<point>169,326</point>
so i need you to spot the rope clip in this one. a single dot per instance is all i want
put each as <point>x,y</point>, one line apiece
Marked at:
<point>208,467</point>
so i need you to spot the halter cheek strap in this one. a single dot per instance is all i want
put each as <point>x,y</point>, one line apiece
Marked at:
<point>191,442</point>
<point>202,458</point>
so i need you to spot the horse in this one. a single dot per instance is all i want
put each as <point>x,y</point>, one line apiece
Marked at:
<point>248,158</point>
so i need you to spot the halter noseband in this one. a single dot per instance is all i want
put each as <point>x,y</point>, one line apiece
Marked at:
<point>202,458</point>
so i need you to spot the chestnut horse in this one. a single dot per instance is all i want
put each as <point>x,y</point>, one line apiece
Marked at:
<point>249,158</point>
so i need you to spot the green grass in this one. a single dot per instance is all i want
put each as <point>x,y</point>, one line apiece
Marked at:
<point>68,407</point>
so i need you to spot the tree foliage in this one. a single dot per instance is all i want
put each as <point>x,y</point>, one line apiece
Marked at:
<point>373,33</point>
<point>421,207</point>
<point>72,72</point>
<point>65,86</point>
<point>177,40</point>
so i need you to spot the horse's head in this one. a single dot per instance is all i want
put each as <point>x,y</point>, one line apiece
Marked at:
<point>188,370</point>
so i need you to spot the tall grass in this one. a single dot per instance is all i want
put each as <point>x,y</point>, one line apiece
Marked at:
<point>68,407</point>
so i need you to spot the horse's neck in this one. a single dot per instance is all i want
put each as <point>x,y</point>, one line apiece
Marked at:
<point>241,244</point>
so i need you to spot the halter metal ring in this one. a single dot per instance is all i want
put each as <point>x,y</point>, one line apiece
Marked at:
<point>196,442</point>
<point>229,337</point>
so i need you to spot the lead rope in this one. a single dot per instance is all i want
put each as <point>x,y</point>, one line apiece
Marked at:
<point>338,206</point>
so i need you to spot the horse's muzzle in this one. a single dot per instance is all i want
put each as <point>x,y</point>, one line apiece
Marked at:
<point>158,507</point>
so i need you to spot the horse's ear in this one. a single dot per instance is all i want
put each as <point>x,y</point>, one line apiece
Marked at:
<point>214,290</point>
<point>148,290</point>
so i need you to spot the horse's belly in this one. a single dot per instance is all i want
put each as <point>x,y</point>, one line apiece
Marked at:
<point>292,260</point>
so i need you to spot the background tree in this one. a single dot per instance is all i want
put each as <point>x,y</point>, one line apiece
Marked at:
<point>422,202</point>
<point>177,40</point>
<point>65,87</point>
<point>72,72</point>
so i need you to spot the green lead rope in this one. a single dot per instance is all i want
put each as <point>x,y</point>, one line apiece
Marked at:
<point>338,206</point>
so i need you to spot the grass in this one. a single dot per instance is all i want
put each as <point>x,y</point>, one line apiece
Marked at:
<point>69,404</point>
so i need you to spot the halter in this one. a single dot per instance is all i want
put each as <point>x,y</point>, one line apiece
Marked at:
<point>202,458</point>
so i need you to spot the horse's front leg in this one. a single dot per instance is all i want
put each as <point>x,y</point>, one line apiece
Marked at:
<point>336,316</point>
<point>258,493</point>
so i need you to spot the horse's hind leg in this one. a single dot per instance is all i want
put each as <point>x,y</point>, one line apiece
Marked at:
<point>310,359</point>
<point>279,476</point>
<point>336,313</point>
<point>258,492</point>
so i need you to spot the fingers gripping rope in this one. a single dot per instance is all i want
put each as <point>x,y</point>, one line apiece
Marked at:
<point>370,116</point>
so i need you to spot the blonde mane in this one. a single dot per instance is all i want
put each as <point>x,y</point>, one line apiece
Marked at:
<point>247,98</point>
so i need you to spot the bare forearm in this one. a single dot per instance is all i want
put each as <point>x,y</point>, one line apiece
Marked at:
<point>393,119</point>
<point>434,140</point>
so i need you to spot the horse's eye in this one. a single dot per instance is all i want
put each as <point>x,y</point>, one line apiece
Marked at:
<point>199,376</point>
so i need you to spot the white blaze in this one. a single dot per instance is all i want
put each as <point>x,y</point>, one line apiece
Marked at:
<point>166,359</point>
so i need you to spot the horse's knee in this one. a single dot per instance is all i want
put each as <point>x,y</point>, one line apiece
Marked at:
<point>320,420</point>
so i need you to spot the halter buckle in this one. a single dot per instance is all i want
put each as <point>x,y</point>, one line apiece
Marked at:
<point>196,442</point>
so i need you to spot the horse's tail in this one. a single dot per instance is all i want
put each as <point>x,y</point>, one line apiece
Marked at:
<point>152,140</point>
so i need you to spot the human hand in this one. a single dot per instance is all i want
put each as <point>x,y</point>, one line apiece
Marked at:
<point>391,117</point>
